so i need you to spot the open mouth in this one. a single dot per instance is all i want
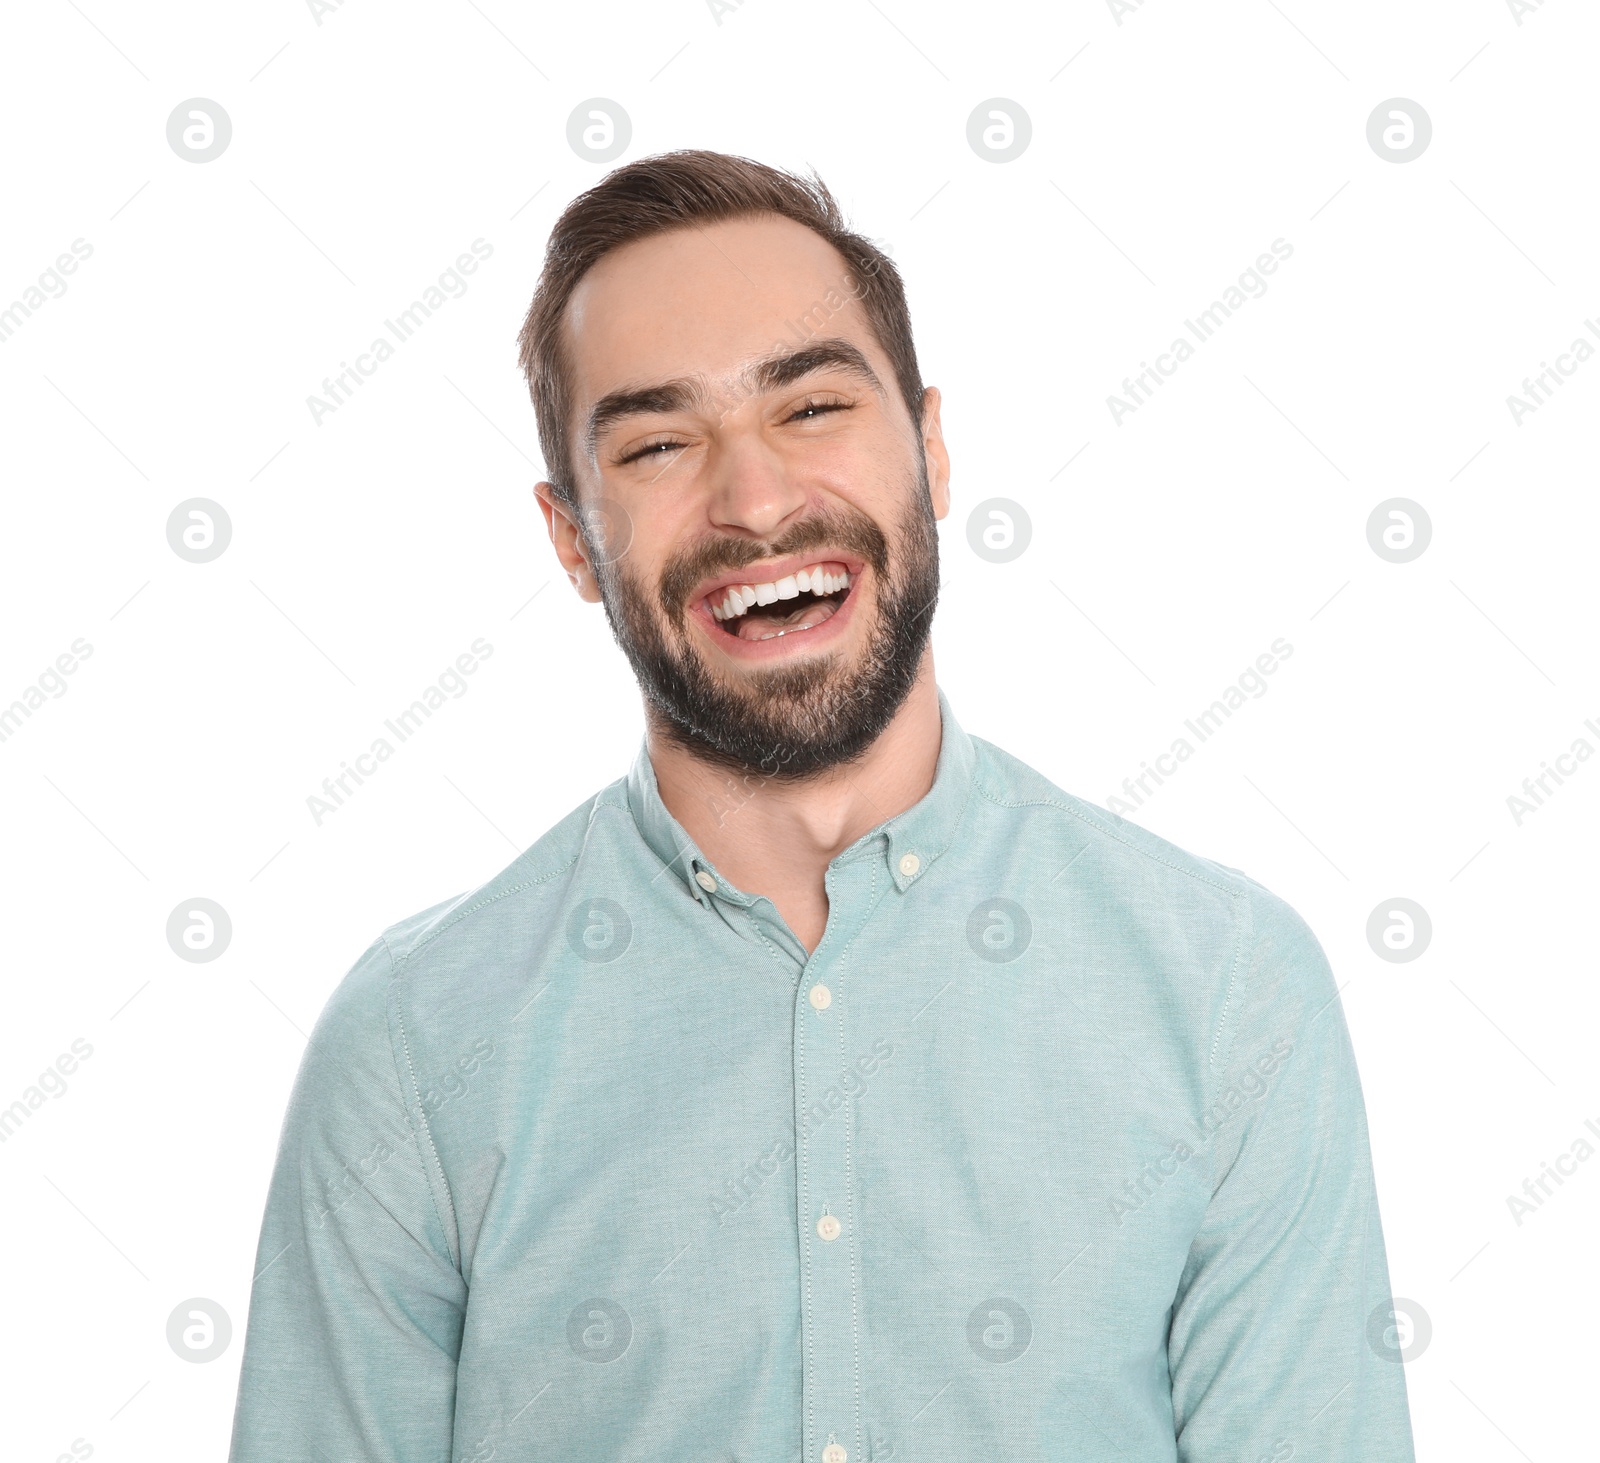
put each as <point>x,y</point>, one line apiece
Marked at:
<point>797,602</point>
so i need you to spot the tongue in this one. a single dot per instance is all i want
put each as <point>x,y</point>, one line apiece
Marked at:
<point>759,627</point>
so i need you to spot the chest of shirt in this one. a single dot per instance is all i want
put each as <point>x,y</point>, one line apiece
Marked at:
<point>1012,1090</point>
<point>703,1184</point>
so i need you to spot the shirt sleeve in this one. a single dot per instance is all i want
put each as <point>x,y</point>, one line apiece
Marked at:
<point>356,1308</point>
<point>1271,1346</point>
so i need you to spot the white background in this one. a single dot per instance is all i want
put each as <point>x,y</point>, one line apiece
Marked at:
<point>369,550</point>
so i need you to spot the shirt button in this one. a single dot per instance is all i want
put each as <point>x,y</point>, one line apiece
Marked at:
<point>706,881</point>
<point>820,997</point>
<point>909,864</point>
<point>834,1453</point>
<point>829,1227</point>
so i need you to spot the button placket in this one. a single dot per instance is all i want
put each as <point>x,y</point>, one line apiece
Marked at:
<point>831,1325</point>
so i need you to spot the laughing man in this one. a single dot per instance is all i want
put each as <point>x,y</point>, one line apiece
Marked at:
<point>831,1087</point>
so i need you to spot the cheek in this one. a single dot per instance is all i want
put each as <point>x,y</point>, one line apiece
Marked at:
<point>641,529</point>
<point>661,504</point>
<point>650,555</point>
<point>869,473</point>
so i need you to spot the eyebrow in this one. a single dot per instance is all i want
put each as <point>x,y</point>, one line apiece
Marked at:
<point>614,406</point>
<point>770,373</point>
<point>785,367</point>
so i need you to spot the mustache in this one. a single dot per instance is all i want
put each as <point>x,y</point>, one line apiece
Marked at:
<point>853,532</point>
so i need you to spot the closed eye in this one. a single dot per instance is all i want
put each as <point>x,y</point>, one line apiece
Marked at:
<point>653,449</point>
<point>811,410</point>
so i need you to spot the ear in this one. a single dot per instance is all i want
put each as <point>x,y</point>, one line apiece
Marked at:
<point>935,453</point>
<point>561,519</point>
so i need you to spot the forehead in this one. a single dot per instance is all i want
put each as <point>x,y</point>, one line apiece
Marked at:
<point>704,300</point>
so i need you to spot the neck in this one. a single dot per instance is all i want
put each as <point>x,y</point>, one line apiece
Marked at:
<point>776,837</point>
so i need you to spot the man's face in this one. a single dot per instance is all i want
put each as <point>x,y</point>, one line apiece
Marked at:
<point>756,505</point>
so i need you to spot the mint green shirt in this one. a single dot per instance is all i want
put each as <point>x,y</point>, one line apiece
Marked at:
<point>1053,1148</point>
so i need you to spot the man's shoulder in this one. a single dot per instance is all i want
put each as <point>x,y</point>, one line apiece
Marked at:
<point>442,958</point>
<point>1122,850</point>
<point>1007,782</point>
<point>486,916</point>
<point>1196,914</point>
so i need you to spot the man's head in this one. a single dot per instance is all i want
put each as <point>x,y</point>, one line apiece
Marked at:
<point>728,399</point>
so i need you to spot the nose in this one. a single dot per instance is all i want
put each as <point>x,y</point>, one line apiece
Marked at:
<point>753,489</point>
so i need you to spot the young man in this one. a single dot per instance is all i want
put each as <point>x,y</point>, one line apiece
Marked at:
<point>832,1087</point>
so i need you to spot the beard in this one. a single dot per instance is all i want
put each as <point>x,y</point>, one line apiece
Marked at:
<point>798,720</point>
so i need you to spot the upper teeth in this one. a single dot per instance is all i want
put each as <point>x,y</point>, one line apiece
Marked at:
<point>825,578</point>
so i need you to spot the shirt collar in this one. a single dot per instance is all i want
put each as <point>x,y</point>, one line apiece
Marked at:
<point>910,843</point>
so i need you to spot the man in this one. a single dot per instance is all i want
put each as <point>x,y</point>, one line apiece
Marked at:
<point>832,1087</point>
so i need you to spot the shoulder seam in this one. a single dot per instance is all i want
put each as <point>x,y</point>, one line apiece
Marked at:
<point>432,934</point>
<point>999,802</point>
<point>1238,893</point>
<point>1241,911</point>
<point>450,1229</point>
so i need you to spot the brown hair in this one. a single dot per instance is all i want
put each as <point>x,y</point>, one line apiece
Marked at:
<point>677,190</point>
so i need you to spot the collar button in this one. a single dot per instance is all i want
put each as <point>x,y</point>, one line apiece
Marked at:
<point>909,864</point>
<point>706,881</point>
